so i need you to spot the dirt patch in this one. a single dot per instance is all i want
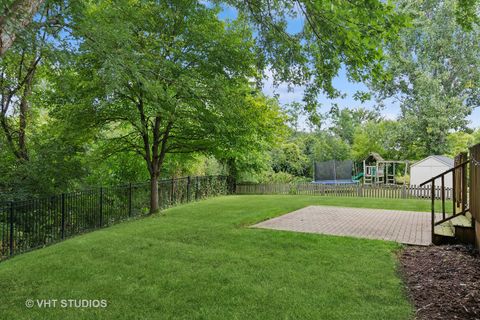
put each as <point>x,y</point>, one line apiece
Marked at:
<point>443,281</point>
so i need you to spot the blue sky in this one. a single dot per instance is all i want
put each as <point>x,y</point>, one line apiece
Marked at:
<point>341,82</point>
<point>391,106</point>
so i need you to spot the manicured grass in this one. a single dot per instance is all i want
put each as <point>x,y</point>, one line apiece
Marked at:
<point>199,261</point>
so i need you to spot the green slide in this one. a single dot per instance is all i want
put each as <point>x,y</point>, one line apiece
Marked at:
<point>358,176</point>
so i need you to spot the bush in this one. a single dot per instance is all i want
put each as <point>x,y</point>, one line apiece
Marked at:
<point>281,177</point>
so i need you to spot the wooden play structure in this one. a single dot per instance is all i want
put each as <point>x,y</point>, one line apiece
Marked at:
<point>377,170</point>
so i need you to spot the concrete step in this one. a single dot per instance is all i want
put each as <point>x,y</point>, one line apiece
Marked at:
<point>469,215</point>
<point>445,230</point>
<point>456,230</point>
<point>462,221</point>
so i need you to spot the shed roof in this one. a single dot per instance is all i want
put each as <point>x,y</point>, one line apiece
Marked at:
<point>443,159</point>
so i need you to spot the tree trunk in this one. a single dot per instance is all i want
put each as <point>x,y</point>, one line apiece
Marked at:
<point>154,207</point>
<point>14,19</point>
<point>232,175</point>
<point>232,168</point>
<point>22,145</point>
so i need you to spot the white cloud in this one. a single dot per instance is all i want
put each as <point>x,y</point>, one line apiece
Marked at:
<point>285,93</point>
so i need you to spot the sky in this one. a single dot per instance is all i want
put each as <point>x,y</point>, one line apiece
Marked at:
<point>391,106</point>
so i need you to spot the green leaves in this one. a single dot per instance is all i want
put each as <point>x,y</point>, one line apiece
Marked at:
<point>434,70</point>
<point>335,33</point>
<point>466,13</point>
<point>173,78</point>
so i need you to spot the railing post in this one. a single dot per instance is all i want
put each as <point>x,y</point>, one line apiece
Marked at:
<point>443,197</point>
<point>130,191</point>
<point>101,207</point>
<point>433,210</point>
<point>63,216</point>
<point>188,188</point>
<point>464,188</point>
<point>454,196</point>
<point>473,186</point>
<point>11,228</point>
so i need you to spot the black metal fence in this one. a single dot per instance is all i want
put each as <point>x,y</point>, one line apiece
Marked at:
<point>30,224</point>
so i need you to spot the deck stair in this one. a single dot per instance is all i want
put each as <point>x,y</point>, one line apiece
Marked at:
<point>456,230</point>
<point>457,226</point>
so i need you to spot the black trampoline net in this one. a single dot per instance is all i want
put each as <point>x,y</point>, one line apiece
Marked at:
<point>334,170</point>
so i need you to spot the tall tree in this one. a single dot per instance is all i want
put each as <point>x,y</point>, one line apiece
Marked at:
<point>18,76</point>
<point>345,121</point>
<point>378,136</point>
<point>434,69</point>
<point>170,76</point>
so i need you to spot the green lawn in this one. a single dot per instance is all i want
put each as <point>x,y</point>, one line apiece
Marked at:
<point>200,261</point>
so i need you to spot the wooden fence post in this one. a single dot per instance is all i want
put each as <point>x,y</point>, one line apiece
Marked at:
<point>359,190</point>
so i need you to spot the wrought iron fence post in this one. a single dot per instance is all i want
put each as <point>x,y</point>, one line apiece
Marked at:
<point>196,188</point>
<point>101,207</point>
<point>171,191</point>
<point>130,199</point>
<point>63,216</point>
<point>188,188</point>
<point>11,228</point>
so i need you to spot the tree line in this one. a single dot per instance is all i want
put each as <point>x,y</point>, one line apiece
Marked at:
<point>95,92</point>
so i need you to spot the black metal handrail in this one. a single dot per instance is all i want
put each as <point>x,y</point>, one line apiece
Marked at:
<point>464,210</point>
<point>445,173</point>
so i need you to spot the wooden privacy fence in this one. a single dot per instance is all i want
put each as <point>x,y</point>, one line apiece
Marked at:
<point>346,190</point>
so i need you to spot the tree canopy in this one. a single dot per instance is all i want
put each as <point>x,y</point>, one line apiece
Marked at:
<point>96,92</point>
<point>168,78</point>
<point>434,72</point>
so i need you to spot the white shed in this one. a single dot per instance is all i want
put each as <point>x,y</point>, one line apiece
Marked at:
<point>430,167</point>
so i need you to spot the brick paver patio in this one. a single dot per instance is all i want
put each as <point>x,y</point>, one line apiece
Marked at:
<point>400,226</point>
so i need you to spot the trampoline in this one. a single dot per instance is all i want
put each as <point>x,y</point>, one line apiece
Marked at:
<point>339,181</point>
<point>334,172</point>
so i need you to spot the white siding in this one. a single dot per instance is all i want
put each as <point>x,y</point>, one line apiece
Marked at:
<point>427,169</point>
